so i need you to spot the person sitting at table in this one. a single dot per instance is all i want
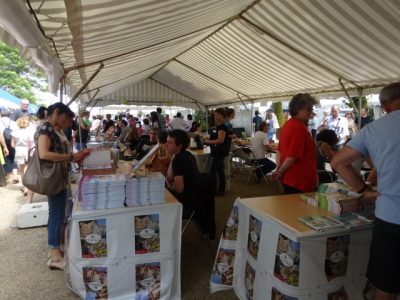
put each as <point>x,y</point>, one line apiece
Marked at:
<point>183,176</point>
<point>260,144</point>
<point>162,158</point>
<point>326,145</point>
<point>145,145</point>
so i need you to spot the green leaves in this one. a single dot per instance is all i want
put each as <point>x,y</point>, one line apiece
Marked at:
<point>17,76</point>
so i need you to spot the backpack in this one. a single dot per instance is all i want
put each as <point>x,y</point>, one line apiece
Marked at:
<point>7,133</point>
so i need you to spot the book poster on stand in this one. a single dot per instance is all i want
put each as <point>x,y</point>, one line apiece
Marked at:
<point>230,232</point>
<point>337,256</point>
<point>278,295</point>
<point>340,294</point>
<point>147,233</point>
<point>223,269</point>
<point>95,280</point>
<point>93,235</point>
<point>253,241</point>
<point>148,281</point>
<point>249,280</point>
<point>287,260</point>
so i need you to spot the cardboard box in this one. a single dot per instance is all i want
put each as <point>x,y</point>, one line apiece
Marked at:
<point>33,215</point>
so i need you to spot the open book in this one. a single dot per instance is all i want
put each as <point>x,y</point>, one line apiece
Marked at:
<point>347,221</point>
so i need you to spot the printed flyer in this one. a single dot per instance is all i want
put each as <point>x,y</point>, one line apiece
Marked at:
<point>253,241</point>
<point>148,281</point>
<point>338,295</point>
<point>223,268</point>
<point>93,235</point>
<point>95,280</point>
<point>230,232</point>
<point>147,234</point>
<point>278,295</point>
<point>249,279</point>
<point>287,260</point>
<point>337,256</point>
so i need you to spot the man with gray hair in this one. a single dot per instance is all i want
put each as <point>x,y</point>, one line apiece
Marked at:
<point>23,111</point>
<point>380,141</point>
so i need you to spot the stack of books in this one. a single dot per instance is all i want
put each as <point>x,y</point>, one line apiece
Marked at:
<point>145,189</point>
<point>102,191</point>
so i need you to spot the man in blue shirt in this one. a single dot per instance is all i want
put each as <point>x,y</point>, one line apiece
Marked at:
<point>380,141</point>
<point>256,121</point>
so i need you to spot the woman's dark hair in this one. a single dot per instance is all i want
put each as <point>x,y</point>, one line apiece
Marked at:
<point>162,137</point>
<point>62,109</point>
<point>146,121</point>
<point>195,126</point>
<point>328,136</point>
<point>181,138</point>
<point>262,125</point>
<point>299,102</point>
<point>189,117</point>
<point>41,113</point>
<point>124,122</point>
<point>221,111</point>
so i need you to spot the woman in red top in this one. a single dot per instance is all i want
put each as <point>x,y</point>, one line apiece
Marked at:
<point>296,155</point>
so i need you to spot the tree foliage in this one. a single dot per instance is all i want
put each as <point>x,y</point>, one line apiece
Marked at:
<point>355,101</point>
<point>17,76</point>
<point>278,109</point>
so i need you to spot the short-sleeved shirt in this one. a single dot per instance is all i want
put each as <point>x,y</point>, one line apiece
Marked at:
<point>55,143</point>
<point>296,141</point>
<point>220,150</point>
<point>380,140</point>
<point>365,120</point>
<point>184,164</point>
<point>340,126</point>
<point>258,142</point>
<point>19,113</point>
<point>257,120</point>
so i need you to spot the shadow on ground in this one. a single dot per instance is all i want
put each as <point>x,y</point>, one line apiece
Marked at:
<point>24,274</point>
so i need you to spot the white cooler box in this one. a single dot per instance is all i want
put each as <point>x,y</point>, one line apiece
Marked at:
<point>33,215</point>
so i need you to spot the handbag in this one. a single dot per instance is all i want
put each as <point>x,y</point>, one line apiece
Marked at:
<point>45,177</point>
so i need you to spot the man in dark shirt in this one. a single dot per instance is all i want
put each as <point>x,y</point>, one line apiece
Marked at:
<point>220,143</point>
<point>365,118</point>
<point>256,121</point>
<point>183,176</point>
<point>107,123</point>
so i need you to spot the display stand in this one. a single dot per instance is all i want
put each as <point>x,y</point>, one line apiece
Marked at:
<point>266,253</point>
<point>125,253</point>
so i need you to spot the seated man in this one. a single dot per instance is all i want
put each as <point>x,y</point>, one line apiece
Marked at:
<point>145,145</point>
<point>183,176</point>
<point>260,144</point>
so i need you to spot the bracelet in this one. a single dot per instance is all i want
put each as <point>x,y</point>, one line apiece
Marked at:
<point>364,188</point>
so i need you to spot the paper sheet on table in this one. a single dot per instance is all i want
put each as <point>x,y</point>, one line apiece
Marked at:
<point>98,159</point>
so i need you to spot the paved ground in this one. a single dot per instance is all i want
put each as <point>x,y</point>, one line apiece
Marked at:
<point>23,253</point>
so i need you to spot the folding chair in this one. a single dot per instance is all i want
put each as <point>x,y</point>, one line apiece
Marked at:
<point>254,167</point>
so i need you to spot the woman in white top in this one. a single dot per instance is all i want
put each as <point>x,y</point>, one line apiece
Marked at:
<point>23,141</point>
<point>260,145</point>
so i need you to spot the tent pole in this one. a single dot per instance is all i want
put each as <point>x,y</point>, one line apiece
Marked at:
<point>90,101</point>
<point>244,104</point>
<point>347,95</point>
<point>360,92</point>
<point>97,100</point>
<point>61,89</point>
<point>86,84</point>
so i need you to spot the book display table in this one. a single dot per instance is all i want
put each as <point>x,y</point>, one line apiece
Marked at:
<point>266,253</point>
<point>125,253</point>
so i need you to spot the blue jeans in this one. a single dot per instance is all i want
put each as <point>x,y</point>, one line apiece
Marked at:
<point>217,171</point>
<point>56,218</point>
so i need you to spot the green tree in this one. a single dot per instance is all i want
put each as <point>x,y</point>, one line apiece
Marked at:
<point>278,109</point>
<point>355,101</point>
<point>17,76</point>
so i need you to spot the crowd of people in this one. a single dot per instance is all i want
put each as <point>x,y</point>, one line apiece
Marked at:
<point>305,146</point>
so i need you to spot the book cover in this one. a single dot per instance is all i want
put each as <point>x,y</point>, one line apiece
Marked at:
<point>95,280</point>
<point>253,240</point>
<point>148,281</point>
<point>352,220</point>
<point>321,223</point>
<point>340,294</point>
<point>337,256</point>
<point>232,225</point>
<point>93,235</point>
<point>249,279</point>
<point>287,260</point>
<point>147,233</point>
<point>223,268</point>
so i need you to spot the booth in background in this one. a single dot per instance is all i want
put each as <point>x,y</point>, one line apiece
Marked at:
<point>266,253</point>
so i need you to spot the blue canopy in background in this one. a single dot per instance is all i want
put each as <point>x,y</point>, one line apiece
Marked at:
<point>12,102</point>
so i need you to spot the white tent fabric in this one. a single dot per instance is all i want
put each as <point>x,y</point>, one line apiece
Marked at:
<point>221,51</point>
